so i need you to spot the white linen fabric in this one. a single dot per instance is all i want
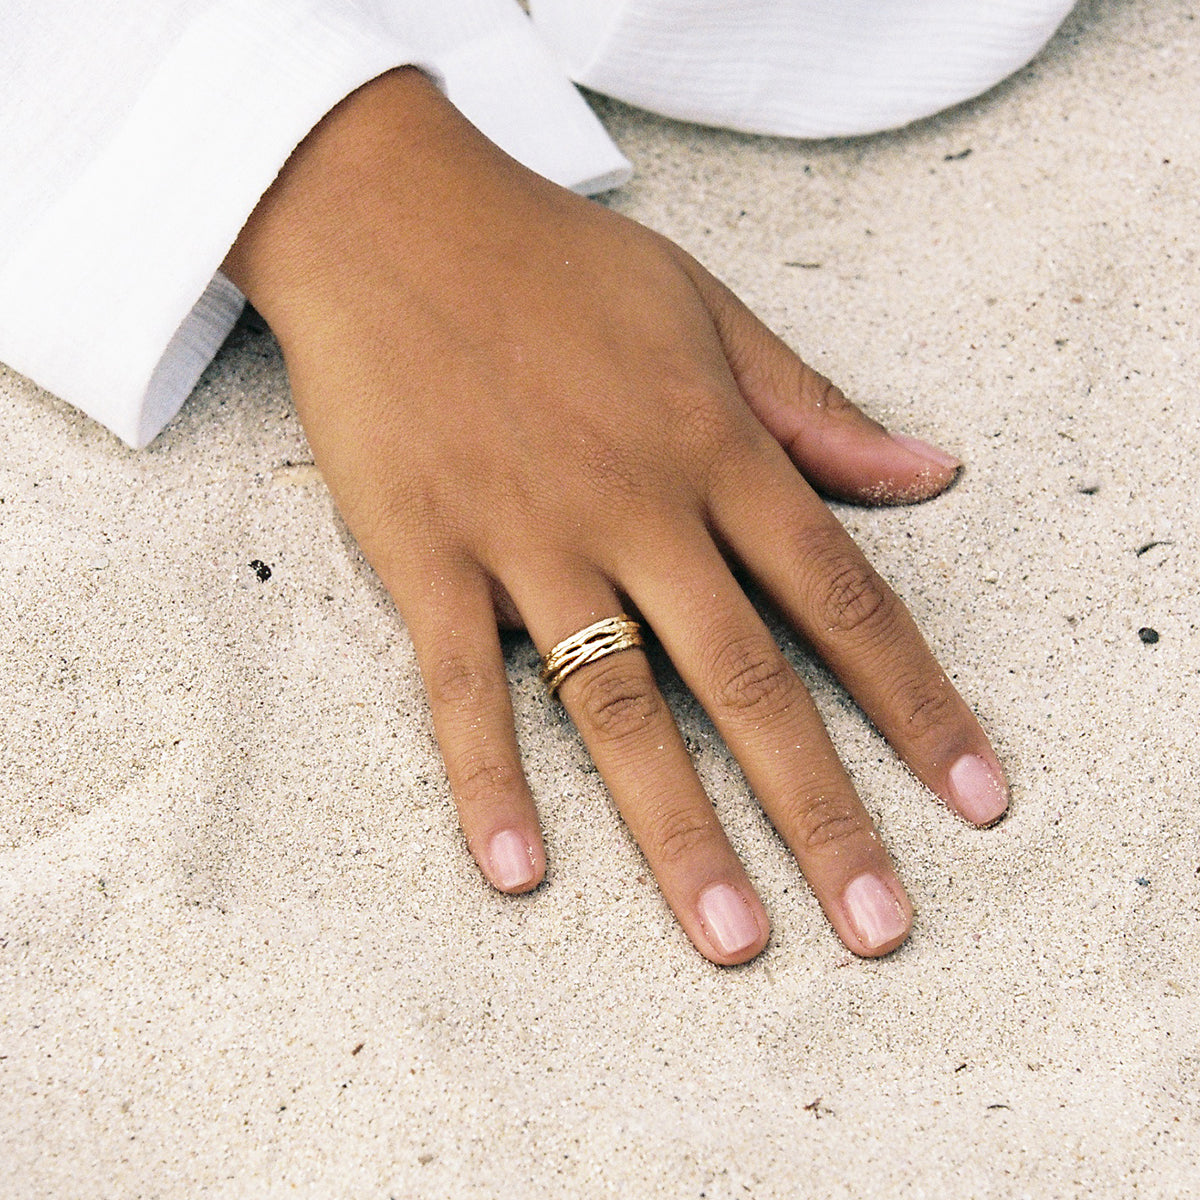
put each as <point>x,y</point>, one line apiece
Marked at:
<point>799,68</point>
<point>136,136</point>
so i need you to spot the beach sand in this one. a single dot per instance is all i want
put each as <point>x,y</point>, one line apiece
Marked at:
<point>243,950</point>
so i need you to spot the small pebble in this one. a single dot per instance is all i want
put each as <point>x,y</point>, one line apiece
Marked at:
<point>1148,635</point>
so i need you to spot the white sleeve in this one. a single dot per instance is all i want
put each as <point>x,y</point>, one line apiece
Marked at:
<point>136,136</point>
<point>799,68</point>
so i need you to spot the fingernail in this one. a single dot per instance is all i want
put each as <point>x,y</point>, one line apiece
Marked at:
<point>511,860</point>
<point>933,454</point>
<point>728,919</point>
<point>874,911</point>
<point>977,791</point>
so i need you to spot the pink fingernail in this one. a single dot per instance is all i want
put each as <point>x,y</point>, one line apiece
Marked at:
<point>933,454</point>
<point>511,860</point>
<point>728,919</point>
<point>977,791</point>
<point>874,911</point>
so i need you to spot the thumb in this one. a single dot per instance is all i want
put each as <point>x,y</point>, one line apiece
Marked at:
<point>837,447</point>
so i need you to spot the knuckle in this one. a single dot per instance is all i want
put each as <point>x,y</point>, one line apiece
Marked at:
<point>826,822</point>
<point>928,709</point>
<point>823,395</point>
<point>459,681</point>
<point>852,597</point>
<point>753,677</point>
<point>680,835</point>
<point>699,421</point>
<point>385,518</point>
<point>743,456</point>
<point>617,703</point>
<point>481,781</point>
<point>612,473</point>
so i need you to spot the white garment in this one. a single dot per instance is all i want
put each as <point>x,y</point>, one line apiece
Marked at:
<point>800,68</point>
<point>136,136</point>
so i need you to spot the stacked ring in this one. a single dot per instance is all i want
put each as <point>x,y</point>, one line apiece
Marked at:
<point>589,645</point>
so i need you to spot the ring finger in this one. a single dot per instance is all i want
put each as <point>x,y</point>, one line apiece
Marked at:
<point>635,744</point>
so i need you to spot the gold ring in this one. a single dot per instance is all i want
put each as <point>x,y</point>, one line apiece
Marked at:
<point>589,645</point>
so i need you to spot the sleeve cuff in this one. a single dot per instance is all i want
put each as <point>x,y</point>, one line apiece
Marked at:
<point>510,86</point>
<point>108,279</point>
<point>99,303</point>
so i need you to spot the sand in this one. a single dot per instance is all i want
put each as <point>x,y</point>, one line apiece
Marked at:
<point>243,950</point>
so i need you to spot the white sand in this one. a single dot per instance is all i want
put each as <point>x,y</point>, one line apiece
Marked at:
<point>243,951</point>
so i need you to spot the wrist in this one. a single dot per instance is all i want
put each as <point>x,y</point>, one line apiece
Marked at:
<point>360,175</point>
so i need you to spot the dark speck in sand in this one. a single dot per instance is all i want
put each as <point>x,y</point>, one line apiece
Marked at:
<point>1148,635</point>
<point>959,156</point>
<point>261,569</point>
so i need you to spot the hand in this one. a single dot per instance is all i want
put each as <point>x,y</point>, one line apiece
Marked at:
<point>528,406</point>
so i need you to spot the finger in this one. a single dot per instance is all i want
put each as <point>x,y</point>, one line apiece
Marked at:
<point>626,726</point>
<point>728,658</point>
<point>818,577</point>
<point>453,628</point>
<point>839,449</point>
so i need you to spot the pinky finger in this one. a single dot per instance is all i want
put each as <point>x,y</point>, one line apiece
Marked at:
<point>458,648</point>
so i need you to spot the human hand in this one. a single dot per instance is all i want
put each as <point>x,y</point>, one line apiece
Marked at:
<point>528,407</point>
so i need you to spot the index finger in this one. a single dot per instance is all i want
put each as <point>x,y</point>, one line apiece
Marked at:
<point>812,570</point>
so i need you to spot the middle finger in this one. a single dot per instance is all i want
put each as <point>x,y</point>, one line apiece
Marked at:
<point>728,658</point>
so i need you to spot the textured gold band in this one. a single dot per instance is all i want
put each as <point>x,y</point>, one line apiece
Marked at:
<point>589,645</point>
